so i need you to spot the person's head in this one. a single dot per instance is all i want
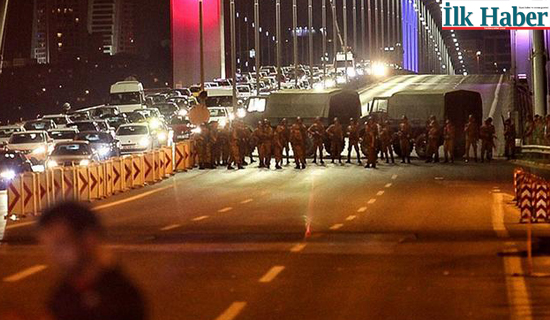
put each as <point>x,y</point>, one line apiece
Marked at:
<point>202,96</point>
<point>260,123</point>
<point>404,118</point>
<point>471,118</point>
<point>318,120</point>
<point>299,120</point>
<point>351,121</point>
<point>284,121</point>
<point>447,121</point>
<point>489,120</point>
<point>72,235</point>
<point>387,122</point>
<point>336,121</point>
<point>432,118</point>
<point>266,123</point>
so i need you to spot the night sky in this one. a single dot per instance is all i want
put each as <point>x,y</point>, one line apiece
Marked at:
<point>153,26</point>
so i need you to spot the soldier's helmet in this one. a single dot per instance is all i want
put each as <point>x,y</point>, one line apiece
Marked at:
<point>447,121</point>
<point>387,122</point>
<point>489,120</point>
<point>336,120</point>
<point>299,120</point>
<point>351,120</point>
<point>404,117</point>
<point>317,119</point>
<point>284,121</point>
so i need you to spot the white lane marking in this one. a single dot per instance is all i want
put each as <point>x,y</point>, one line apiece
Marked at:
<point>497,216</point>
<point>233,311</point>
<point>171,227</point>
<point>388,185</point>
<point>225,209</point>
<point>271,274</point>
<point>362,209</point>
<point>336,226</point>
<point>247,201</point>
<point>350,218</point>
<point>496,99</point>
<point>379,193</point>
<point>105,206</point>
<point>394,177</point>
<point>371,201</point>
<point>200,218</point>
<point>518,296</point>
<point>25,273</point>
<point>19,225</point>
<point>297,248</point>
<point>139,196</point>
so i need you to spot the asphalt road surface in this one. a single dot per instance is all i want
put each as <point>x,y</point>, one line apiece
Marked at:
<point>419,241</point>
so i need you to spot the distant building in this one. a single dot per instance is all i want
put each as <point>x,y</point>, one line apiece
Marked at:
<point>74,29</point>
<point>59,30</point>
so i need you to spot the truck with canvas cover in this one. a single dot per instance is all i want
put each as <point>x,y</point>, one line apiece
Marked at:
<point>309,104</point>
<point>419,105</point>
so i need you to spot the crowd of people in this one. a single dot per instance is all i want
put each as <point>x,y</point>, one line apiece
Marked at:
<point>537,130</point>
<point>232,145</point>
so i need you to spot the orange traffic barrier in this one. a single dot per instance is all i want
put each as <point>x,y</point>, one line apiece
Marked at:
<point>149,167</point>
<point>128,172</point>
<point>83,183</point>
<point>45,192</point>
<point>118,175</point>
<point>180,157</point>
<point>15,196</point>
<point>169,160</point>
<point>29,193</point>
<point>95,184</point>
<point>58,187</point>
<point>138,179</point>
<point>159,165</point>
<point>108,168</point>
<point>70,191</point>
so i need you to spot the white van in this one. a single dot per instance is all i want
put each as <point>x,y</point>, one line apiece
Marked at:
<point>220,97</point>
<point>127,96</point>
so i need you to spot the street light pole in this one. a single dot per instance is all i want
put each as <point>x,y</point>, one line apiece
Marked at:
<point>363,29</point>
<point>257,43</point>
<point>233,52</point>
<point>334,34</point>
<point>324,27</point>
<point>201,37</point>
<point>354,12</point>
<point>295,39</point>
<point>376,29</point>
<point>369,24</point>
<point>278,22</point>
<point>3,15</point>
<point>345,22</point>
<point>310,38</point>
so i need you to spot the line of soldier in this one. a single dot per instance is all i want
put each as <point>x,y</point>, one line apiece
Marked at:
<point>230,146</point>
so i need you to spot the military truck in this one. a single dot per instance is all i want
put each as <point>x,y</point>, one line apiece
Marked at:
<point>309,104</point>
<point>419,105</point>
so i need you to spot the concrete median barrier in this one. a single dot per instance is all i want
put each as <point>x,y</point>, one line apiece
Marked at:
<point>45,190</point>
<point>83,183</point>
<point>58,189</point>
<point>118,175</point>
<point>168,161</point>
<point>29,193</point>
<point>180,157</point>
<point>70,183</point>
<point>149,167</point>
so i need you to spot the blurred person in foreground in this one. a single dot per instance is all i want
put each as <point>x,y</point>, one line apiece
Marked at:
<point>92,285</point>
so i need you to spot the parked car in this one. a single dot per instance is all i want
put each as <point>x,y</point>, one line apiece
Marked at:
<point>74,153</point>
<point>7,131</point>
<point>60,120</point>
<point>135,117</point>
<point>135,137</point>
<point>35,145</point>
<point>101,142</point>
<point>62,135</point>
<point>87,125</point>
<point>168,110</point>
<point>163,134</point>
<point>181,127</point>
<point>116,121</point>
<point>39,125</point>
<point>220,115</point>
<point>12,163</point>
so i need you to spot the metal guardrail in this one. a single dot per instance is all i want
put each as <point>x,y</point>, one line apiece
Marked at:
<point>535,149</point>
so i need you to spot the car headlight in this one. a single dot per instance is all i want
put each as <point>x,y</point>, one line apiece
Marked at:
<point>103,151</point>
<point>85,162</point>
<point>39,150</point>
<point>197,130</point>
<point>154,123</point>
<point>222,123</point>
<point>8,175</point>
<point>144,143</point>
<point>241,113</point>
<point>162,136</point>
<point>182,113</point>
<point>330,83</point>
<point>51,164</point>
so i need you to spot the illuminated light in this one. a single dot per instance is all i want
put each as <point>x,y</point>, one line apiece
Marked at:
<point>186,43</point>
<point>51,164</point>
<point>330,83</point>
<point>162,137</point>
<point>103,151</point>
<point>85,162</point>
<point>241,113</point>
<point>39,150</point>
<point>144,143</point>
<point>379,69</point>
<point>8,175</point>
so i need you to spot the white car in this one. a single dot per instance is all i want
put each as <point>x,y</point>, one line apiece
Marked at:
<point>60,120</point>
<point>7,131</point>
<point>135,138</point>
<point>220,115</point>
<point>244,91</point>
<point>63,135</point>
<point>35,145</point>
